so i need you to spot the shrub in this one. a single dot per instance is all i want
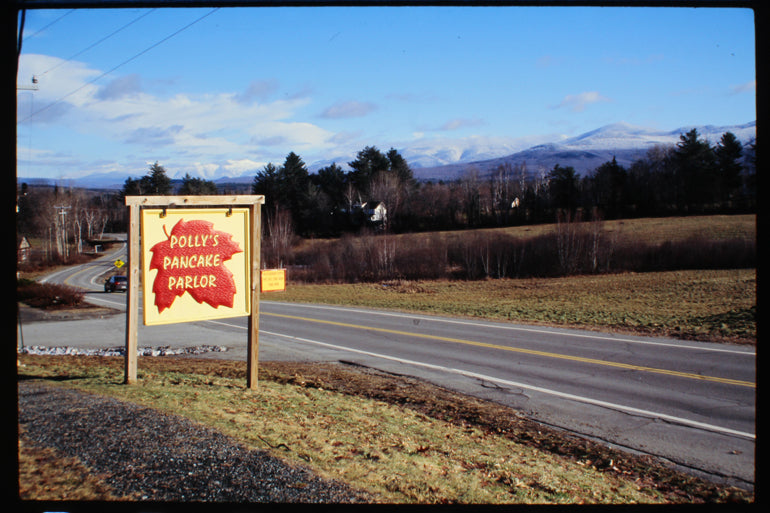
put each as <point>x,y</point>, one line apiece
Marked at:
<point>48,295</point>
<point>575,247</point>
<point>692,253</point>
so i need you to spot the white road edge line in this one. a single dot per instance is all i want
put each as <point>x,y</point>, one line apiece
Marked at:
<point>517,328</point>
<point>587,400</point>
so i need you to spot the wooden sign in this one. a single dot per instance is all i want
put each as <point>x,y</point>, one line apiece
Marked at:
<point>201,261</point>
<point>195,264</point>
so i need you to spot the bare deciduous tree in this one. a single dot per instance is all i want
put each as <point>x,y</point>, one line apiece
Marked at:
<point>280,238</point>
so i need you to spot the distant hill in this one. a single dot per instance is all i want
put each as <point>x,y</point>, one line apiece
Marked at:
<point>449,159</point>
<point>587,151</point>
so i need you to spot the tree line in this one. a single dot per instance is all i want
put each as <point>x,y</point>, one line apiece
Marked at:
<point>63,220</point>
<point>67,221</point>
<point>328,202</point>
<point>691,177</point>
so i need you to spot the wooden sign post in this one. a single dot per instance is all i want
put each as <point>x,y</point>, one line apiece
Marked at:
<point>199,259</point>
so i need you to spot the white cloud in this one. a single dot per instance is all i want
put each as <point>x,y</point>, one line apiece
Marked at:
<point>242,166</point>
<point>205,170</point>
<point>748,87</point>
<point>257,90</point>
<point>59,86</point>
<point>578,102</point>
<point>343,138</point>
<point>129,85</point>
<point>456,124</point>
<point>348,109</point>
<point>196,131</point>
<point>154,136</point>
<point>57,78</point>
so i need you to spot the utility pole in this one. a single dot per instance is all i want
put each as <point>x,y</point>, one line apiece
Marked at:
<point>61,234</point>
<point>32,87</point>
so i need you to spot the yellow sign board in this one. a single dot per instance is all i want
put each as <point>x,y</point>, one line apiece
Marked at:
<point>119,263</point>
<point>195,264</point>
<point>273,280</point>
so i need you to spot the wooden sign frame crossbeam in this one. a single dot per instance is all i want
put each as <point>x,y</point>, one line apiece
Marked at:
<point>135,204</point>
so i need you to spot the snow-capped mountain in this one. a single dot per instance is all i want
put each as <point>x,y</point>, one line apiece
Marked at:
<point>447,159</point>
<point>622,136</point>
<point>427,153</point>
<point>587,151</point>
<point>438,152</point>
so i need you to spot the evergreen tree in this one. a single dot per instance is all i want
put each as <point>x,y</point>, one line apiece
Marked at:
<point>293,180</point>
<point>197,186</point>
<point>266,183</point>
<point>728,160</point>
<point>695,167</point>
<point>368,163</point>
<point>158,181</point>
<point>563,187</point>
<point>288,188</point>
<point>398,165</point>
<point>132,187</point>
<point>331,181</point>
<point>608,184</point>
<point>296,190</point>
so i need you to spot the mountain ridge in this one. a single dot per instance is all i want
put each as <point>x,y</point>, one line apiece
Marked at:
<point>449,159</point>
<point>585,152</point>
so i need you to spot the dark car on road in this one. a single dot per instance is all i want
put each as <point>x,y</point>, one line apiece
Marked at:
<point>114,283</point>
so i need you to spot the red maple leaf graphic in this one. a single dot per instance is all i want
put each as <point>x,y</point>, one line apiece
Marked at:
<point>192,260</point>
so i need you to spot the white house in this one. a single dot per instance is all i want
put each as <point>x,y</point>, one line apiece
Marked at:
<point>375,211</point>
<point>23,249</point>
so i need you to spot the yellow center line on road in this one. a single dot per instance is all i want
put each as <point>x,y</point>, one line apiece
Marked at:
<point>524,351</point>
<point>68,278</point>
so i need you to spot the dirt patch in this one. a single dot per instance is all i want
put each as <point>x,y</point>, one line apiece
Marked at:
<point>436,402</point>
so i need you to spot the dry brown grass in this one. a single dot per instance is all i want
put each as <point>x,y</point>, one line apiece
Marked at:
<point>717,305</point>
<point>401,439</point>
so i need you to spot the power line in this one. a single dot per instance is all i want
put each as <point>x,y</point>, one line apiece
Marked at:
<point>53,22</point>
<point>98,42</point>
<point>136,56</point>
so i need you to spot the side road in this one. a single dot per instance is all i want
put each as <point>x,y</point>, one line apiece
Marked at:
<point>152,456</point>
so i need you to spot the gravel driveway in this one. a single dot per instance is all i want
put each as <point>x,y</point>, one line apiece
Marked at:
<point>164,457</point>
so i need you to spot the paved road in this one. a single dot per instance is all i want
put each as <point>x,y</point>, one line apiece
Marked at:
<point>689,402</point>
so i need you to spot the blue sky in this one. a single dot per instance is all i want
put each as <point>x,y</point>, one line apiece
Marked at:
<point>222,92</point>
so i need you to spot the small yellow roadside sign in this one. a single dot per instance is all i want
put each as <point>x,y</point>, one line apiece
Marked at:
<point>119,263</point>
<point>272,280</point>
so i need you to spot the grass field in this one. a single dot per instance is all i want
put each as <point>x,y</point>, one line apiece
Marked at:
<point>402,440</point>
<point>653,230</point>
<point>705,305</point>
<point>713,305</point>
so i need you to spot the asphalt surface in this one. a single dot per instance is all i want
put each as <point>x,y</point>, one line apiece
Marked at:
<point>691,403</point>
